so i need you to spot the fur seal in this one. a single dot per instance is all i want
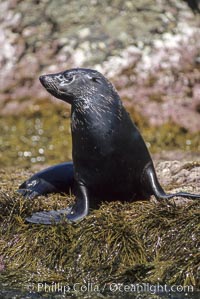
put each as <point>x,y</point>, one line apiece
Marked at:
<point>110,158</point>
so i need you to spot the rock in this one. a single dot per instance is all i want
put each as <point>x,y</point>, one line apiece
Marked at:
<point>149,50</point>
<point>181,174</point>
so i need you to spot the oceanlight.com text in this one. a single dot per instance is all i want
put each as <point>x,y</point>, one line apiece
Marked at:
<point>90,287</point>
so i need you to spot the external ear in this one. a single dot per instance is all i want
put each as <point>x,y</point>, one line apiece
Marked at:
<point>94,79</point>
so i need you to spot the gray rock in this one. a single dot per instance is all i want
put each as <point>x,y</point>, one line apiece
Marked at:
<point>149,49</point>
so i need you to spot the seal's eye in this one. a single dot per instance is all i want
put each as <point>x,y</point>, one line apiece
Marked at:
<point>68,78</point>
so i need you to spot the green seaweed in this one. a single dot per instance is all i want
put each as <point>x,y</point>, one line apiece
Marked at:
<point>139,242</point>
<point>37,138</point>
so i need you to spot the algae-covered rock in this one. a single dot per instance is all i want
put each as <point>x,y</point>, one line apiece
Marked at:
<point>141,242</point>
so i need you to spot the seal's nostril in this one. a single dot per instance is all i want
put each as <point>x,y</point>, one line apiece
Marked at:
<point>41,78</point>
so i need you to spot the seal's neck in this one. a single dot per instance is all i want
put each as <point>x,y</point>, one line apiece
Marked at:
<point>98,112</point>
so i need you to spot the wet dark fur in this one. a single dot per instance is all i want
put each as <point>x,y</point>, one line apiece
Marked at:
<point>110,158</point>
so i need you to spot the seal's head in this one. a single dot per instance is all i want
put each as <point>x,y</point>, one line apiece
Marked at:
<point>76,84</point>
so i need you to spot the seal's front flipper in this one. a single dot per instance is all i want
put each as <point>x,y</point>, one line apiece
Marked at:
<point>49,217</point>
<point>55,179</point>
<point>81,207</point>
<point>78,211</point>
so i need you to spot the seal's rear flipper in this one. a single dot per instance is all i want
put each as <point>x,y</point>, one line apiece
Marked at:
<point>34,187</point>
<point>150,179</point>
<point>74,213</point>
<point>55,179</point>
